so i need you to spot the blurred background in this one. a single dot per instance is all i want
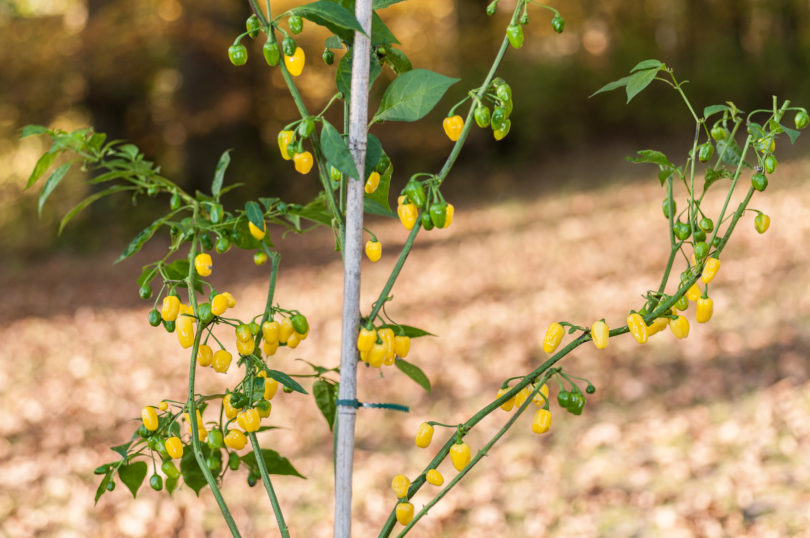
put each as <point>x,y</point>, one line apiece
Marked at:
<point>707,438</point>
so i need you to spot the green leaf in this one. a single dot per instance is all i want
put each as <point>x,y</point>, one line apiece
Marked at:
<point>43,163</point>
<point>793,134</point>
<point>336,151</point>
<point>132,475</point>
<point>713,176</point>
<point>139,240</point>
<point>373,207</point>
<point>398,61</point>
<point>171,485</point>
<point>329,14</point>
<point>255,215</point>
<point>273,461</point>
<point>380,195</point>
<point>373,153</point>
<point>286,380</point>
<point>411,332</point>
<point>128,150</point>
<point>651,156</point>
<point>638,81</point>
<point>325,394</point>
<point>51,184</point>
<point>412,95</point>
<point>315,211</point>
<point>242,238</point>
<point>711,110</point>
<point>177,270</point>
<point>32,130</point>
<point>121,450</point>
<point>380,33</point>
<point>647,64</point>
<point>610,86</point>
<point>89,200</point>
<point>149,272</point>
<point>414,372</point>
<point>379,4</point>
<point>730,151</point>
<point>333,42</point>
<point>192,474</point>
<point>102,487</point>
<point>343,76</point>
<point>219,173</point>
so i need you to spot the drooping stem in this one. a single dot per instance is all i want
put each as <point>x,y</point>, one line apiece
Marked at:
<point>268,486</point>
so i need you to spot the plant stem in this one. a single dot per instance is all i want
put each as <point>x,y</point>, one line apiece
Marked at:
<point>352,257</point>
<point>282,526</point>
<point>192,405</point>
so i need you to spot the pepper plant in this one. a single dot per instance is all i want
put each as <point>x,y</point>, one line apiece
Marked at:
<point>355,176</point>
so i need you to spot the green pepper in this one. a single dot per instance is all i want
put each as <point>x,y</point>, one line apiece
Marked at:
<point>427,224</point>
<point>770,164</point>
<point>328,57</point>
<point>668,208</point>
<point>296,24</point>
<point>416,193</point>
<point>204,313</point>
<point>482,116</point>
<point>222,245</point>
<point>706,224</point>
<point>214,461</point>
<point>699,235</point>
<point>577,403</point>
<point>705,152</point>
<point>206,241</point>
<point>306,127</point>
<point>335,174</point>
<point>174,202</point>
<point>564,399</point>
<point>719,133</point>
<point>438,214</point>
<point>759,181</point>
<point>504,93</point>
<point>145,291</point>
<point>169,326</point>
<point>801,119</point>
<point>558,23</point>
<point>156,482</point>
<point>237,54</point>
<point>701,250</point>
<point>682,303</point>
<point>288,46</point>
<point>382,164</point>
<point>682,230</point>
<point>215,213</point>
<point>170,469</point>
<point>492,7</point>
<point>253,25</point>
<point>514,33</point>
<point>233,461</point>
<point>271,53</point>
<point>300,324</point>
<point>498,120</point>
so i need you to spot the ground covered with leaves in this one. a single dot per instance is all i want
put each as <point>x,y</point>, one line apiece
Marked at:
<point>708,436</point>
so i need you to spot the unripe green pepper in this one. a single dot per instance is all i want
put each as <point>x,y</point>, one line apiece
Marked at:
<point>427,224</point>
<point>295,23</point>
<point>705,152</point>
<point>416,193</point>
<point>438,214</point>
<point>668,207</point>
<point>288,46</point>
<point>253,25</point>
<point>271,53</point>
<point>514,33</point>
<point>558,23</point>
<point>156,482</point>
<point>328,57</point>
<point>759,181</point>
<point>482,116</point>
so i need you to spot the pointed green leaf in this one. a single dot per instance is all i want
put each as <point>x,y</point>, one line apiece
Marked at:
<point>793,134</point>
<point>379,4</point>
<point>611,86</point>
<point>730,151</point>
<point>273,461</point>
<point>139,240</point>
<point>219,173</point>
<point>343,76</point>
<point>412,95</point>
<point>330,15</point>
<point>711,110</point>
<point>43,163</point>
<point>373,153</point>
<point>177,270</point>
<point>336,151</point>
<point>132,475</point>
<point>651,156</point>
<point>325,394</point>
<point>398,61</point>
<point>32,130</point>
<point>414,372</point>
<point>51,184</point>
<point>713,176</point>
<point>380,33</point>
<point>333,42</point>
<point>254,213</point>
<point>638,81</point>
<point>192,474</point>
<point>89,200</point>
<point>373,207</point>
<point>411,332</point>
<point>647,64</point>
<point>149,272</point>
<point>102,487</point>
<point>129,151</point>
<point>121,449</point>
<point>286,380</point>
<point>171,485</point>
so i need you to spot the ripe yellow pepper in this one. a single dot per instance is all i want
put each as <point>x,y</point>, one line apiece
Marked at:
<point>637,327</point>
<point>600,333</point>
<point>554,335</point>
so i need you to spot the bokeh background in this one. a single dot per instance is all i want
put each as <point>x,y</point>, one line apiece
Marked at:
<point>709,437</point>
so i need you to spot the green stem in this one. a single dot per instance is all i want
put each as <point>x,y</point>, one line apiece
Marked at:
<point>481,453</point>
<point>282,526</point>
<point>731,189</point>
<point>192,405</point>
<point>275,259</point>
<point>403,255</point>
